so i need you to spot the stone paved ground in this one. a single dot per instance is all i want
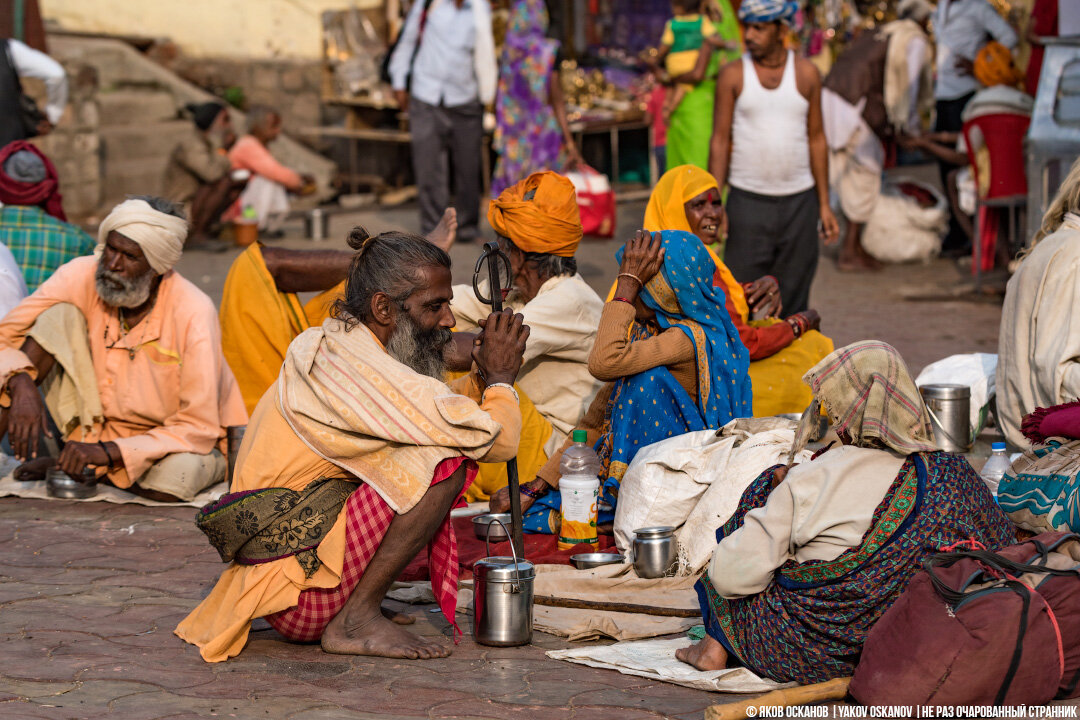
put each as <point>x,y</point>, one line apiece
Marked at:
<point>90,592</point>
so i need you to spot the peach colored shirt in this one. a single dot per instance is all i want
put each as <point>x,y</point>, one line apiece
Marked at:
<point>176,394</point>
<point>250,154</point>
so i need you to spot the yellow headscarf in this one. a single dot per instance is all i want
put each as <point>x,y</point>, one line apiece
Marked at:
<point>667,211</point>
<point>539,214</point>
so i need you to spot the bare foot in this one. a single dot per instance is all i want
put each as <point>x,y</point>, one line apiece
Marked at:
<point>378,637</point>
<point>397,618</point>
<point>707,655</point>
<point>445,232</point>
<point>32,470</point>
<point>857,262</point>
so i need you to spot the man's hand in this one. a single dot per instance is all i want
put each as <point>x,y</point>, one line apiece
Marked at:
<point>402,97</point>
<point>28,419</point>
<point>78,456</point>
<point>964,66</point>
<point>763,297</point>
<point>830,227</point>
<point>499,348</point>
<point>643,258</point>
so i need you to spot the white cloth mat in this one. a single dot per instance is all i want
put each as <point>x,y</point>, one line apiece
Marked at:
<point>655,659</point>
<point>10,487</point>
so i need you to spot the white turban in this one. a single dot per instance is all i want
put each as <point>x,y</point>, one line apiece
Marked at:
<point>160,235</point>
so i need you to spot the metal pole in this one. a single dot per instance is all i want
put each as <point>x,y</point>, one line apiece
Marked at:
<point>517,537</point>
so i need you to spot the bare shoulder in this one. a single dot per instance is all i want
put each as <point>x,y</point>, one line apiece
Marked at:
<point>807,76</point>
<point>731,76</point>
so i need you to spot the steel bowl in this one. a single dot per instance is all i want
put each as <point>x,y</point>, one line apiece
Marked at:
<point>485,527</point>
<point>61,485</point>
<point>585,561</point>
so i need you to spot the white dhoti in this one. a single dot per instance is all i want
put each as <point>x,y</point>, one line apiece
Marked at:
<point>269,200</point>
<point>856,156</point>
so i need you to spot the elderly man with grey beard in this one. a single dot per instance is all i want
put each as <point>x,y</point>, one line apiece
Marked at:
<point>122,357</point>
<point>359,449</point>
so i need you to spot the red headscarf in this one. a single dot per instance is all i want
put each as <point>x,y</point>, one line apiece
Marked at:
<point>44,194</point>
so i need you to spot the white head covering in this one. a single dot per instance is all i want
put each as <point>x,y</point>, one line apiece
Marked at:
<point>160,235</point>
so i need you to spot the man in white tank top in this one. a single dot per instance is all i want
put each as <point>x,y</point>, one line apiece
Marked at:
<point>769,146</point>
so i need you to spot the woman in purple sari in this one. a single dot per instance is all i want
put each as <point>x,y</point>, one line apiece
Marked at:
<point>530,110</point>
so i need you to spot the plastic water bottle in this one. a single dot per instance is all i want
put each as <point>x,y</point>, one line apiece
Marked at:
<point>995,467</point>
<point>579,487</point>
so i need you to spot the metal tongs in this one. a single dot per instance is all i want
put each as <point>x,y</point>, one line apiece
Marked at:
<point>497,260</point>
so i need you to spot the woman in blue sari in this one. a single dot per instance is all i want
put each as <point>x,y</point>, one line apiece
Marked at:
<point>672,360</point>
<point>812,558</point>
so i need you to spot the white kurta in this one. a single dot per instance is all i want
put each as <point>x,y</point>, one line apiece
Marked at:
<point>562,319</point>
<point>822,508</point>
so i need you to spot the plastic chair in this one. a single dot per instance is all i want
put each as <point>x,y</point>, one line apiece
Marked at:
<point>1003,137</point>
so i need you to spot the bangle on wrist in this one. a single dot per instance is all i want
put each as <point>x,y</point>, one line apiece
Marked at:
<point>628,301</point>
<point>107,455</point>
<point>796,325</point>
<point>632,276</point>
<point>534,494</point>
<point>508,386</point>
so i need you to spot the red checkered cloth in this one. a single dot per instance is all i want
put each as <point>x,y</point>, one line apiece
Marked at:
<point>367,518</point>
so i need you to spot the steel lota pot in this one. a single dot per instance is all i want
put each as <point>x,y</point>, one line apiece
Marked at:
<point>503,600</point>
<point>950,417</point>
<point>654,552</point>
<point>317,224</point>
<point>61,485</point>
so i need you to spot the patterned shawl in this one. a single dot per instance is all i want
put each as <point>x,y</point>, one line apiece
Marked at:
<point>260,526</point>
<point>357,407</point>
<point>868,393</point>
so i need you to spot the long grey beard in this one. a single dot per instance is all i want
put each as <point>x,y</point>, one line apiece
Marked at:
<point>421,350</point>
<point>117,291</point>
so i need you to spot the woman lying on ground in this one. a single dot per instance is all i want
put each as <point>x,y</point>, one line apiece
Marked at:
<point>671,359</point>
<point>688,198</point>
<point>816,553</point>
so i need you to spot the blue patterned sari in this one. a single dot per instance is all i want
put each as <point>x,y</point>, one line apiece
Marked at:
<point>652,406</point>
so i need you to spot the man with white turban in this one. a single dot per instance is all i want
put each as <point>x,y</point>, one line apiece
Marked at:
<point>128,358</point>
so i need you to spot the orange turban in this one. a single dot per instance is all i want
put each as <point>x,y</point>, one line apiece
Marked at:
<point>539,215</point>
<point>994,66</point>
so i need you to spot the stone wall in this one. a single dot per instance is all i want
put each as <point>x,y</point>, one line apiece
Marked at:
<point>290,86</point>
<point>74,145</point>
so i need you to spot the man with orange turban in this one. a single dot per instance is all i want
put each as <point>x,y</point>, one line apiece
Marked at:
<point>539,228</point>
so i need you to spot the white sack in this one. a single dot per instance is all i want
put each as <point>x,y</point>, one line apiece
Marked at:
<point>900,230</point>
<point>693,482</point>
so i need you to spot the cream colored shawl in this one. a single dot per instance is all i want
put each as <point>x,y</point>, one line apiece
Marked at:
<point>897,83</point>
<point>1039,345</point>
<point>365,412</point>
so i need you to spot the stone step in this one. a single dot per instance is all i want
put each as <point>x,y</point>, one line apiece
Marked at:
<point>142,176</point>
<point>136,107</point>
<point>152,140</point>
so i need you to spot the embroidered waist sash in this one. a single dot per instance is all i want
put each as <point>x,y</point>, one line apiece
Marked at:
<point>258,526</point>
